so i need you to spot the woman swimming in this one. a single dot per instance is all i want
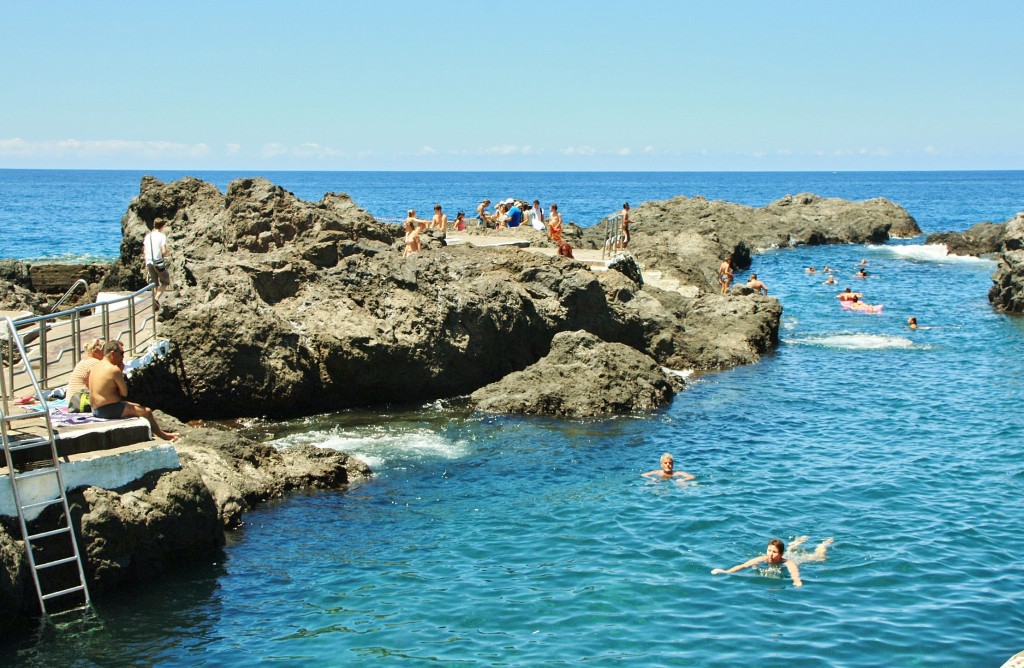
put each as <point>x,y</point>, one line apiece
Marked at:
<point>773,556</point>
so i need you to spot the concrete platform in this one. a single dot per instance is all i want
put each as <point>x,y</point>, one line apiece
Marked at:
<point>107,469</point>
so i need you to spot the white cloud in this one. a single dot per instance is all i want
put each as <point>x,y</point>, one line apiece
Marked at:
<point>102,148</point>
<point>314,150</point>
<point>274,150</point>
<point>623,151</point>
<point>232,149</point>
<point>579,150</point>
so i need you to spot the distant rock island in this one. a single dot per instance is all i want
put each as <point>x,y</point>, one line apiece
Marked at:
<point>286,307</point>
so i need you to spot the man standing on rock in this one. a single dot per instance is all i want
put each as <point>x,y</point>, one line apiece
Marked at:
<point>108,389</point>
<point>154,254</point>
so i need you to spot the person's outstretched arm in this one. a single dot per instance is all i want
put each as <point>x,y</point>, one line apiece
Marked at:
<point>739,567</point>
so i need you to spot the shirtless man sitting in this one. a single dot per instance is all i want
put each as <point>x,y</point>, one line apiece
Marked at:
<point>108,389</point>
<point>756,285</point>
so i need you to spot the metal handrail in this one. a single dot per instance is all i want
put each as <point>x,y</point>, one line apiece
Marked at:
<point>67,294</point>
<point>612,236</point>
<point>59,337</point>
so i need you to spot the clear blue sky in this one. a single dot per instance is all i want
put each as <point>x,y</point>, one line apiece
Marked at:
<point>483,85</point>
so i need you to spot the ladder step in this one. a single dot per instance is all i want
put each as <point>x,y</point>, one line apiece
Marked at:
<point>29,443</point>
<point>58,562</point>
<point>64,592</point>
<point>41,504</point>
<point>51,470</point>
<point>25,416</point>
<point>47,534</point>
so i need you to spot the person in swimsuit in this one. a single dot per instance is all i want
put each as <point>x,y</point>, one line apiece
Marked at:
<point>481,213</point>
<point>667,471</point>
<point>108,391</point>
<point>831,280</point>
<point>555,225</point>
<point>565,250</point>
<point>773,557</point>
<point>725,274</point>
<point>412,238</point>
<point>849,295</point>
<point>460,221</point>
<point>440,220</point>
<point>624,237</point>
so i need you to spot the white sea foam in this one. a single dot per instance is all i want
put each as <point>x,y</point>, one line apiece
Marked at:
<point>928,253</point>
<point>382,449</point>
<point>682,373</point>
<point>856,342</point>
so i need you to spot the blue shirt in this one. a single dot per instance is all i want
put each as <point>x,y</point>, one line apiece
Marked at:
<point>515,216</point>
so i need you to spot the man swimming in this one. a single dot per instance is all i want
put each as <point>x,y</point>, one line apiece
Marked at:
<point>667,471</point>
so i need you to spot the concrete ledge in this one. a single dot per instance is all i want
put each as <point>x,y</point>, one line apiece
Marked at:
<point>107,469</point>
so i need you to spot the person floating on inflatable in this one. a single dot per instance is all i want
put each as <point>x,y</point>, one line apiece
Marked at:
<point>856,304</point>
<point>849,295</point>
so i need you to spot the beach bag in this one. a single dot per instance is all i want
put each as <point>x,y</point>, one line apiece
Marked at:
<point>79,402</point>
<point>161,264</point>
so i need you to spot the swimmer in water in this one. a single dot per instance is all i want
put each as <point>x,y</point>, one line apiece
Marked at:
<point>668,472</point>
<point>831,280</point>
<point>773,556</point>
<point>912,322</point>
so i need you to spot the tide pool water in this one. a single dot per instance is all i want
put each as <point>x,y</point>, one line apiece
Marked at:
<point>487,540</point>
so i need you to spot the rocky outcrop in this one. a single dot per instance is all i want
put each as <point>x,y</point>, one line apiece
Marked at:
<point>16,292</point>
<point>687,237</point>
<point>288,308</point>
<point>582,376</point>
<point>12,578</point>
<point>170,518</point>
<point>982,239</point>
<point>1007,291</point>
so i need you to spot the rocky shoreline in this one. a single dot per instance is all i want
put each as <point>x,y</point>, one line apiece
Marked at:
<point>289,308</point>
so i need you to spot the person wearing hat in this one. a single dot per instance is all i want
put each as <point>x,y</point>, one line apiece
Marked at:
<point>515,216</point>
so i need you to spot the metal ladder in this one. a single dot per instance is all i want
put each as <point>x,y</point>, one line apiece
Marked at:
<point>61,539</point>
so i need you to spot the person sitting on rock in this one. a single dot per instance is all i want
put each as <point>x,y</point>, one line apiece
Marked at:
<point>108,390</point>
<point>481,213</point>
<point>78,382</point>
<point>756,285</point>
<point>565,250</point>
<point>667,471</point>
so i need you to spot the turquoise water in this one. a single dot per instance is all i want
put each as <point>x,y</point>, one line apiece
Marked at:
<point>525,541</point>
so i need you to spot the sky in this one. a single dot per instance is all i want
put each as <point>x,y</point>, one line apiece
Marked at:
<point>547,85</point>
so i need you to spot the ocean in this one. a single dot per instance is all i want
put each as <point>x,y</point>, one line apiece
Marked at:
<point>521,541</point>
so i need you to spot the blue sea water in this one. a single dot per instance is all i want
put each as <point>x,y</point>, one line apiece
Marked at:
<point>527,541</point>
